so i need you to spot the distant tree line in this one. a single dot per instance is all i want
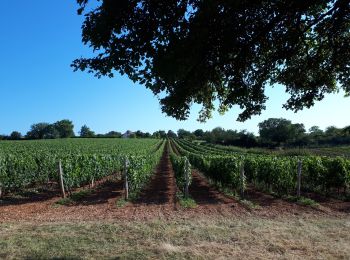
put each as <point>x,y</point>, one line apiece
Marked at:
<point>60,129</point>
<point>65,129</point>
<point>273,132</point>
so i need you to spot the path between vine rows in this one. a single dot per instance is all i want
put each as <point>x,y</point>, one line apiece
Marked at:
<point>157,200</point>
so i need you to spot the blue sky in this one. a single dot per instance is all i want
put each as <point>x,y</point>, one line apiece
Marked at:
<point>40,39</point>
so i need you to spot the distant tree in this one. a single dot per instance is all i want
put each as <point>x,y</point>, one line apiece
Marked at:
<point>219,135</point>
<point>209,137</point>
<point>199,133</point>
<point>15,135</point>
<point>297,135</point>
<point>332,131</point>
<point>139,134</point>
<point>315,130</point>
<point>86,132</point>
<point>171,134</point>
<point>39,131</point>
<point>275,131</point>
<point>159,134</point>
<point>333,135</point>
<point>346,130</point>
<point>156,135</point>
<point>113,134</point>
<point>162,134</point>
<point>64,128</point>
<point>132,135</point>
<point>184,134</point>
<point>51,132</point>
<point>246,139</point>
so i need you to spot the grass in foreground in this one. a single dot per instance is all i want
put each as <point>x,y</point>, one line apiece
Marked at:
<point>75,197</point>
<point>121,203</point>
<point>201,238</point>
<point>303,201</point>
<point>185,202</point>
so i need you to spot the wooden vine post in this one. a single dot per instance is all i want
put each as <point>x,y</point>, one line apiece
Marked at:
<point>299,178</point>
<point>126,181</point>
<point>242,180</point>
<point>92,181</point>
<point>187,177</point>
<point>60,172</point>
<point>92,184</point>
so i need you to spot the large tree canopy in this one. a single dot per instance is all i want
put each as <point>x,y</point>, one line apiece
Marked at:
<point>199,51</point>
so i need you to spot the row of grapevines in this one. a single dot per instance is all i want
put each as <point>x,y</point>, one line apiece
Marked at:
<point>181,168</point>
<point>278,174</point>
<point>221,169</point>
<point>141,168</point>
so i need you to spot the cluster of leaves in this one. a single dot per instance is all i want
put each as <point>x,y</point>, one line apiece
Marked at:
<point>202,51</point>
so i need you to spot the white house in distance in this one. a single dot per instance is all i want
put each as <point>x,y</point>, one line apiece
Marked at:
<point>127,134</point>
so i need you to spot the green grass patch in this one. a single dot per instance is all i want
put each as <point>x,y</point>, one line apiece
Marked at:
<point>74,197</point>
<point>186,202</point>
<point>249,204</point>
<point>121,202</point>
<point>65,202</point>
<point>302,201</point>
<point>80,195</point>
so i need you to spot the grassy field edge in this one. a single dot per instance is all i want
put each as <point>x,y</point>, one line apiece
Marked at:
<point>178,239</point>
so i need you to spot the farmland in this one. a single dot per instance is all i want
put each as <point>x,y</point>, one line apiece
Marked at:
<point>24,164</point>
<point>276,174</point>
<point>220,204</point>
<point>33,167</point>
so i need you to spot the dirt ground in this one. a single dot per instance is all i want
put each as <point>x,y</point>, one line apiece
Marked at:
<point>158,201</point>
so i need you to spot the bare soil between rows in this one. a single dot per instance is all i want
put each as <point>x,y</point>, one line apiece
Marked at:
<point>158,200</point>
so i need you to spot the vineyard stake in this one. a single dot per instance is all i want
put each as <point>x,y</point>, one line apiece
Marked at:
<point>60,171</point>
<point>187,166</point>
<point>299,178</point>
<point>126,184</point>
<point>242,179</point>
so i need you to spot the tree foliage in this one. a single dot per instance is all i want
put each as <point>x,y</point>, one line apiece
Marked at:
<point>201,51</point>
<point>279,130</point>
<point>15,135</point>
<point>86,132</point>
<point>39,131</point>
<point>64,128</point>
<point>60,129</point>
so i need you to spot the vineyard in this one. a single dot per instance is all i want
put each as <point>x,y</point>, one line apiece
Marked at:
<point>275,174</point>
<point>35,163</point>
<point>79,163</point>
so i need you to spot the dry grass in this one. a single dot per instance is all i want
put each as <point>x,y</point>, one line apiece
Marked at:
<point>205,238</point>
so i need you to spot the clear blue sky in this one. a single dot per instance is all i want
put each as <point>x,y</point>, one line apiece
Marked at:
<point>40,39</point>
